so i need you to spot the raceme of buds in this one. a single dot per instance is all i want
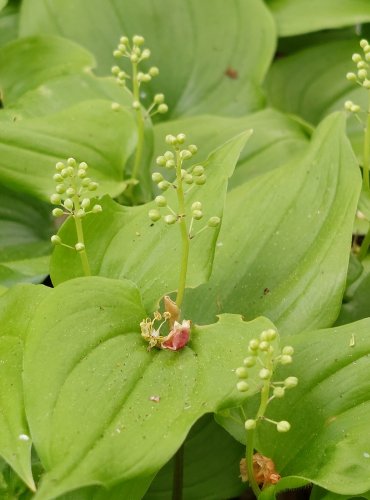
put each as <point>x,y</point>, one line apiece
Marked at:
<point>362,75</point>
<point>135,53</point>
<point>177,338</point>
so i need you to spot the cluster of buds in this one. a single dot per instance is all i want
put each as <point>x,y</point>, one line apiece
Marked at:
<point>361,77</point>
<point>193,176</point>
<point>262,353</point>
<point>135,53</point>
<point>177,338</point>
<point>72,186</point>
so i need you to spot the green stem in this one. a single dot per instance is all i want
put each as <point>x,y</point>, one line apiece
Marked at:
<point>178,474</point>
<point>184,234</point>
<point>139,123</point>
<point>80,238</point>
<point>365,179</point>
<point>364,246</point>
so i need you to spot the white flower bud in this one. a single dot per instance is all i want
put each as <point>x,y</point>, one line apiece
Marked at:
<point>288,349</point>
<point>197,214</point>
<point>55,199</point>
<point>55,239</point>
<point>164,185</point>
<point>290,382</point>
<point>80,247</point>
<point>198,170</point>
<point>363,43</point>
<point>86,181</point>
<point>60,188</point>
<point>286,359</point>
<point>170,219</point>
<point>366,83</point>
<point>213,221</point>
<point>93,186</point>
<point>157,177</point>
<point>249,361</point>
<point>153,71</point>
<point>351,76</point>
<point>348,105</point>
<point>181,138</point>
<point>158,98</point>
<point>168,155</point>
<point>154,215</point>
<point>57,212</point>
<point>196,205</point>
<point>97,209</point>
<point>193,149</point>
<point>188,179</point>
<point>115,106</point>
<point>134,58</point>
<point>355,108</point>
<point>278,392</point>
<point>145,54</point>
<point>68,204</point>
<point>264,374</point>
<point>136,105</point>
<point>200,180</point>
<point>264,345</point>
<point>115,70</point>
<point>170,164</point>
<point>58,178</point>
<point>171,139</point>
<point>123,40</point>
<point>160,201</point>
<point>117,53</point>
<point>71,191</point>
<point>162,109</point>
<point>253,344</point>
<point>283,426</point>
<point>250,424</point>
<point>242,386</point>
<point>71,162</point>
<point>362,74</point>
<point>241,372</point>
<point>356,58</point>
<point>80,213</point>
<point>85,203</point>
<point>59,166</point>
<point>70,171</point>
<point>138,39</point>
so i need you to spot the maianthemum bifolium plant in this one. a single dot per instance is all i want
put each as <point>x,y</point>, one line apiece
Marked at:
<point>207,328</point>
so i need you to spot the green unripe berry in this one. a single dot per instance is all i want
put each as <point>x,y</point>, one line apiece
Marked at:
<point>154,215</point>
<point>68,204</point>
<point>171,139</point>
<point>80,247</point>
<point>250,424</point>
<point>351,77</point>
<point>181,138</point>
<point>57,212</point>
<point>157,177</point>
<point>193,149</point>
<point>60,188</point>
<point>85,203</point>
<point>164,185</point>
<point>197,214</point>
<point>138,39</point>
<point>278,392</point>
<point>291,382</point>
<point>242,386</point>
<point>59,166</point>
<point>264,374</point>
<point>198,170</point>
<point>170,219</point>
<point>200,180</point>
<point>286,359</point>
<point>55,239</point>
<point>93,186</point>
<point>283,426</point>
<point>170,164</point>
<point>160,201</point>
<point>162,109</point>
<point>241,372</point>
<point>96,209</point>
<point>196,205</point>
<point>158,98</point>
<point>188,179</point>
<point>288,349</point>
<point>249,361</point>
<point>55,199</point>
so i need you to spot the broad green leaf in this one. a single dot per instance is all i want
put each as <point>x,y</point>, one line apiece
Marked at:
<point>92,418</point>
<point>211,466</point>
<point>318,493</point>
<point>90,131</point>
<point>3,4</point>
<point>25,228</point>
<point>131,246</point>
<point>329,440</point>
<point>301,16</point>
<point>201,70</point>
<point>284,244</point>
<point>285,484</point>
<point>15,442</point>
<point>276,139</point>
<point>9,22</point>
<point>321,88</point>
<point>27,63</point>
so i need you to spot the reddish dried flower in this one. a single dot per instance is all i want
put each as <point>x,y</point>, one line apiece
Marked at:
<point>263,470</point>
<point>178,337</point>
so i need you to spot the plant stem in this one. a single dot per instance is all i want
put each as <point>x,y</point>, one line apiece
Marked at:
<point>139,123</point>
<point>364,246</point>
<point>80,238</point>
<point>178,474</point>
<point>366,152</point>
<point>184,234</point>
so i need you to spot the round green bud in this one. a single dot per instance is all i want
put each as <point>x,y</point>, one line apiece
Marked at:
<point>249,361</point>
<point>253,344</point>
<point>198,170</point>
<point>270,334</point>
<point>356,58</point>
<point>362,74</point>
<point>136,105</point>
<point>241,372</point>
<point>242,386</point>
<point>80,213</point>
<point>288,349</point>
<point>348,105</point>
<point>134,58</point>
<point>80,247</point>
<point>86,181</point>
<point>145,54</point>
<point>183,173</point>
<point>285,359</point>
<point>70,171</point>
<point>188,178</point>
<point>140,76</point>
<point>117,53</point>
<point>197,214</point>
<point>200,180</point>
<point>138,39</point>
<point>291,382</point>
<point>96,209</point>
<point>162,109</point>
<point>171,139</point>
<point>60,188</point>
<point>170,164</point>
<point>264,374</point>
<point>193,149</point>
<point>361,65</point>
<point>59,166</point>
<point>55,199</point>
<point>123,40</point>
<point>283,426</point>
<point>71,162</point>
<point>57,212</point>
<point>154,215</point>
<point>115,106</point>
<point>168,155</point>
<point>161,161</point>
<point>68,204</point>
<point>355,108</point>
<point>170,219</point>
<point>93,186</point>
<point>115,70</point>
<point>55,239</point>
<point>367,56</point>
<point>58,178</point>
<point>153,71</point>
<point>185,154</point>
<point>64,173</point>
<point>367,49</point>
<point>136,50</point>
<point>83,165</point>
<point>71,191</point>
<point>164,185</point>
<point>81,173</point>
<point>146,77</point>
<point>196,205</point>
<point>158,98</point>
<point>363,43</point>
<point>157,177</point>
<point>264,345</point>
<point>181,138</point>
<point>160,201</point>
<point>122,48</point>
<point>351,76</point>
<point>85,203</point>
<point>366,83</point>
<point>278,392</point>
<point>250,424</point>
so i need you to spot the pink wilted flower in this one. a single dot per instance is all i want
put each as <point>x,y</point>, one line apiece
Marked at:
<point>178,337</point>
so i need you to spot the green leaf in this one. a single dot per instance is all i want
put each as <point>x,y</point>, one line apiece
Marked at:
<point>27,63</point>
<point>92,418</point>
<point>131,246</point>
<point>294,17</point>
<point>25,227</point>
<point>201,70</point>
<point>90,131</point>
<point>276,139</point>
<point>211,466</point>
<point>318,493</point>
<point>9,22</point>
<point>285,239</point>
